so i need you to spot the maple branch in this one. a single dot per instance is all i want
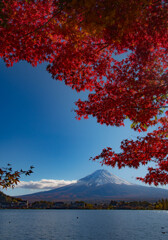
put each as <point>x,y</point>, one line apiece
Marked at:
<point>149,107</point>
<point>96,44</point>
<point>99,50</point>
<point>9,178</point>
<point>40,27</point>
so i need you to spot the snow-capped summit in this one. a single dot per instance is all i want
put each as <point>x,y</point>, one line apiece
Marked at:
<point>101,177</point>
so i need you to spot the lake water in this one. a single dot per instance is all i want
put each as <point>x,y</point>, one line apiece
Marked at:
<point>83,225</point>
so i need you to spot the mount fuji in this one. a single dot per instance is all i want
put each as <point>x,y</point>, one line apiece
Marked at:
<point>99,186</point>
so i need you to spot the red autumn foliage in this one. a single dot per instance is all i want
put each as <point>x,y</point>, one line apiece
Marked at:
<point>134,87</point>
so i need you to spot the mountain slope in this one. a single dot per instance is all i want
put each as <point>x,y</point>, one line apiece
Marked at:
<point>98,186</point>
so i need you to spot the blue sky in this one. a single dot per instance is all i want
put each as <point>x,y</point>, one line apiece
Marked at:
<point>38,127</point>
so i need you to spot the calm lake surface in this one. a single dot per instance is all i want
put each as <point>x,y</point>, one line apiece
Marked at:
<point>83,224</point>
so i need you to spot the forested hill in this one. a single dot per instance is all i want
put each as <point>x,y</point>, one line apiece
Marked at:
<point>7,199</point>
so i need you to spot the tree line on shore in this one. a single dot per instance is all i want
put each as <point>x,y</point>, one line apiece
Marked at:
<point>12,202</point>
<point>132,205</point>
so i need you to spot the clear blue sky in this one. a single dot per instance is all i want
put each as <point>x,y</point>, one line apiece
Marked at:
<point>38,127</point>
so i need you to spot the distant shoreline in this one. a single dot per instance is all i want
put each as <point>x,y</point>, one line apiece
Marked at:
<point>81,205</point>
